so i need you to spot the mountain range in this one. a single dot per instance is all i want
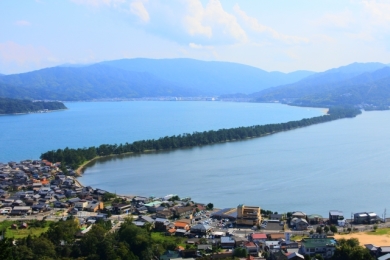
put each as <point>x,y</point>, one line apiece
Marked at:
<point>354,84</point>
<point>137,78</point>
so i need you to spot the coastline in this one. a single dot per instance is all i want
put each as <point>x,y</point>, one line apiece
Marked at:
<point>36,112</point>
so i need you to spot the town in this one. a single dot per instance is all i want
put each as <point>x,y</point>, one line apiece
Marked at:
<point>41,190</point>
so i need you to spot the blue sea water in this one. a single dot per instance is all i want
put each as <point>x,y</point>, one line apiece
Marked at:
<point>339,165</point>
<point>342,165</point>
<point>87,124</point>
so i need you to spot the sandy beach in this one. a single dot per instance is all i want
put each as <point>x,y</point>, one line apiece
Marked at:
<point>364,238</point>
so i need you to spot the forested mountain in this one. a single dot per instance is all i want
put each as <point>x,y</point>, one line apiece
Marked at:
<point>14,106</point>
<point>137,78</point>
<point>354,84</point>
<point>211,77</point>
<point>86,83</point>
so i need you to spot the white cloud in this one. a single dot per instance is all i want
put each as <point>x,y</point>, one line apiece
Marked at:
<point>22,23</point>
<point>200,46</point>
<point>379,11</point>
<point>339,20</point>
<point>138,9</point>
<point>11,52</point>
<point>257,27</point>
<point>97,3</point>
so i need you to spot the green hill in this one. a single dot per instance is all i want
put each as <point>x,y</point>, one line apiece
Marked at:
<point>365,84</point>
<point>14,106</point>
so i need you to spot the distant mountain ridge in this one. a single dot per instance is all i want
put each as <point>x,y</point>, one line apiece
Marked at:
<point>354,84</point>
<point>138,78</point>
<point>87,83</point>
<point>210,77</point>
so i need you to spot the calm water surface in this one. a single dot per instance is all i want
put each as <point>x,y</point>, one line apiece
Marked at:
<point>94,123</point>
<point>341,165</point>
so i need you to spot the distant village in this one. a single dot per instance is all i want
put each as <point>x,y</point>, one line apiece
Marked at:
<point>38,188</point>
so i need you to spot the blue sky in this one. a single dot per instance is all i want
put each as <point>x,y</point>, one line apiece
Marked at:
<point>271,35</point>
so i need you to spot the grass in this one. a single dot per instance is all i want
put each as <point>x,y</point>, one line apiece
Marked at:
<point>21,233</point>
<point>379,232</point>
<point>297,237</point>
<point>160,238</point>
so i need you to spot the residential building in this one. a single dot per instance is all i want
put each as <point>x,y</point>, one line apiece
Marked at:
<point>318,244</point>
<point>335,216</point>
<point>365,218</point>
<point>248,215</point>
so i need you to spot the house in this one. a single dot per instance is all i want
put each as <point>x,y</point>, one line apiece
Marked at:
<point>335,216</point>
<point>298,214</point>
<point>248,215</point>
<point>81,204</point>
<point>258,237</point>
<point>121,208</point>
<point>227,242</point>
<point>161,224</point>
<point>207,247</point>
<point>315,219</point>
<point>299,223</point>
<point>372,248</point>
<point>318,244</point>
<point>365,218</point>
<point>182,212</point>
<point>278,217</point>
<point>94,206</point>
<point>181,225</point>
<point>20,210</point>
<point>168,255</point>
<point>251,248</point>
<point>382,250</point>
<point>164,213</point>
<point>200,229</point>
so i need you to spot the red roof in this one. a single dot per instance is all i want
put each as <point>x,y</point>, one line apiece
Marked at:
<point>259,236</point>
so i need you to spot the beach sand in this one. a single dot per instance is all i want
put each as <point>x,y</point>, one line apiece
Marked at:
<point>377,240</point>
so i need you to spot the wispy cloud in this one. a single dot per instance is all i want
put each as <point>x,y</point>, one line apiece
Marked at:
<point>21,54</point>
<point>257,27</point>
<point>138,9</point>
<point>97,3</point>
<point>22,23</point>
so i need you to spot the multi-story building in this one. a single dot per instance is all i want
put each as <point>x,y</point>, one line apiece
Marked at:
<point>248,215</point>
<point>318,244</point>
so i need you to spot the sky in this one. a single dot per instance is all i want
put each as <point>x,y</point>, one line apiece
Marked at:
<point>272,35</point>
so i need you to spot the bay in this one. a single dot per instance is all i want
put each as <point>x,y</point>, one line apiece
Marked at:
<point>341,165</point>
<point>87,124</point>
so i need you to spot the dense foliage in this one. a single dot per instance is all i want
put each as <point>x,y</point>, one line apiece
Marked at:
<point>13,106</point>
<point>76,157</point>
<point>59,242</point>
<point>349,249</point>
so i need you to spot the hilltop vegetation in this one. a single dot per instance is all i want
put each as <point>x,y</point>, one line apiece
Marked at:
<point>365,85</point>
<point>76,157</point>
<point>13,106</point>
<point>138,78</point>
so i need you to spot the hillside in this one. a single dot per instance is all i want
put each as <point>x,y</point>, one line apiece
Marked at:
<point>14,106</point>
<point>354,84</point>
<point>139,78</point>
<point>87,83</point>
<point>210,77</point>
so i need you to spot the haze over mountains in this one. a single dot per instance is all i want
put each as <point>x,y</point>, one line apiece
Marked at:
<point>136,78</point>
<point>354,84</point>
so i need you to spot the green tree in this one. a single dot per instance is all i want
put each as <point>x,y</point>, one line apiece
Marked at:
<point>375,227</point>
<point>326,229</point>
<point>210,206</point>
<point>333,228</point>
<point>319,229</point>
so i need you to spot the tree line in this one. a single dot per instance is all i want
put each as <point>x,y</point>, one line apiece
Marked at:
<point>76,157</point>
<point>12,106</point>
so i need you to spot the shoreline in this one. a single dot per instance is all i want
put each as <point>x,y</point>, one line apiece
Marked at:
<point>37,112</point>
